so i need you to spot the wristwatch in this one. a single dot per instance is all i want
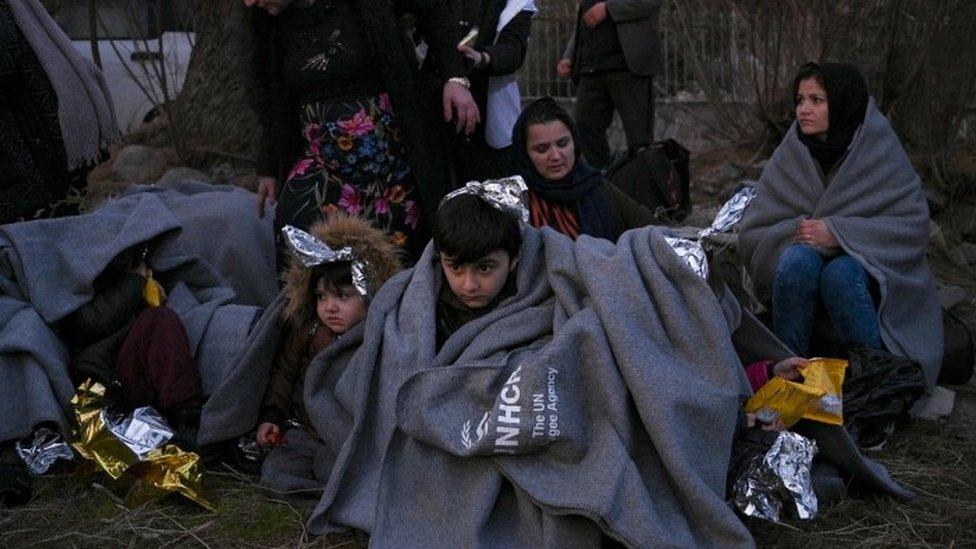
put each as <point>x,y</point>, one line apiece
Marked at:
<point>460,81</point>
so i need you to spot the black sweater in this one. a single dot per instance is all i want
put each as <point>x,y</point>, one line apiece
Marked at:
<point>507,52</point>
<point>96,330</point>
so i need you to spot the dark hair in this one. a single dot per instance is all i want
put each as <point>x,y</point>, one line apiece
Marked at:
<point>847,101</point>
<point>543,111</point>
<point>333,275</point>
<point>467,228</point>
<point>808,70</point>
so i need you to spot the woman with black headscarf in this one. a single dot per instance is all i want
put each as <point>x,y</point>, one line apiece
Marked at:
<point>828,132</point>
<point>565,192</point>
<point>837,233</point>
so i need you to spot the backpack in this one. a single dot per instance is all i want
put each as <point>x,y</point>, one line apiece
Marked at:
<point>655,176</point>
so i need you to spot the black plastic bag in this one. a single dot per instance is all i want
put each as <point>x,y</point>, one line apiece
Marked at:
<point>656,176</point>
<point>879,390</point>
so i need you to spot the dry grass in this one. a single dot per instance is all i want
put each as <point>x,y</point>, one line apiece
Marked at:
<point>71,512</point>
<point>936,460</point>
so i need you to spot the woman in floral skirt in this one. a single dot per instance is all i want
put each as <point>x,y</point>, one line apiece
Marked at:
<point>354,161</point>
<point>347,126</point>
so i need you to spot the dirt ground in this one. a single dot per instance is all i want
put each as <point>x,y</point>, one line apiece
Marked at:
<point>936,460</point>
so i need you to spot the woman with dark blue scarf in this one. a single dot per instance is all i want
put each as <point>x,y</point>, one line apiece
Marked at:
<point>565,192</point>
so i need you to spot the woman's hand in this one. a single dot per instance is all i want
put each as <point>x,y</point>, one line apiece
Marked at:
<point>790,368</point>
<point>595,15</point>
<point>480,58</point>
<point>815,233</point>
<point>270,434</point>
<point>267,189</point>
<point>459,105</point>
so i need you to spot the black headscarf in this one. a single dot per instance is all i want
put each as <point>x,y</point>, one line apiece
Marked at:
<point>595,214</point>
<point>847,103</point>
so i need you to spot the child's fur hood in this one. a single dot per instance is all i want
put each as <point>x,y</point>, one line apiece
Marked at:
<point>340,230</point>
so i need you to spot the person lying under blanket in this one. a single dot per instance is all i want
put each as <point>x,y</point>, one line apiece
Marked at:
<point>127,340</point>
<point>510,392</point>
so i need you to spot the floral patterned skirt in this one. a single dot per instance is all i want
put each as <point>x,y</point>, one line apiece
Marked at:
<point>354,161</point>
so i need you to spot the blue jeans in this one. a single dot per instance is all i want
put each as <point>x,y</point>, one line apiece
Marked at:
<point>804,280</point>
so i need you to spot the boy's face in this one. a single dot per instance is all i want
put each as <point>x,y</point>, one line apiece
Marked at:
<point>478,283</point>
<point>340,309</point>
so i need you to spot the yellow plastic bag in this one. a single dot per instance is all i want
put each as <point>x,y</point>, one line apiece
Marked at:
<point>826,374</point>
<point>783,400</point>
<point>152,293</point>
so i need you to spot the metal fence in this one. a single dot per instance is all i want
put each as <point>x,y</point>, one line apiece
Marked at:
<point>551,30</point>
<point>710,36</point>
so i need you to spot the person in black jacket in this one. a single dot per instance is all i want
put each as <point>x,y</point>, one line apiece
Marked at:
<point>613,56</point>
<point>493,59</point>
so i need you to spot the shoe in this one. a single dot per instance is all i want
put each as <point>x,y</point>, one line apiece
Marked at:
<point>875,439</point>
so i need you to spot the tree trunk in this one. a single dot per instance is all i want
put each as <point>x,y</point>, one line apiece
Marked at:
<point>213,120</point>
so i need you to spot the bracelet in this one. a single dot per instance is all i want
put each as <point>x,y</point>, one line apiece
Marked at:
<point>460,81</point>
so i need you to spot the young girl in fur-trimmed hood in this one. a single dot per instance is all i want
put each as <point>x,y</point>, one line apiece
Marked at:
<point>334,271</point>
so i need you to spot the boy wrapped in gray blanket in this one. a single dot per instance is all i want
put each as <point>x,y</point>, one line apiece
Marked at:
<point>567,393</point>
<point>516,388</point>
<point>597,400</point>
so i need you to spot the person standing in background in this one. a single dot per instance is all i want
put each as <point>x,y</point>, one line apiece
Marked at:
<point>493,59</point>
<point>56,114</point>
<point>612,57</point>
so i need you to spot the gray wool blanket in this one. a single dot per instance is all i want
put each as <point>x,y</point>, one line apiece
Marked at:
<point>233,408</point>
<point>600,400</point>
<point>47,268</point>
<point>219,224</point>
<point>876,209</point>
<point>399,475</point>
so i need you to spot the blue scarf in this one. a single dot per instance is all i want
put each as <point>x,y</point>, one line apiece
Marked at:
<point>582,187</point>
